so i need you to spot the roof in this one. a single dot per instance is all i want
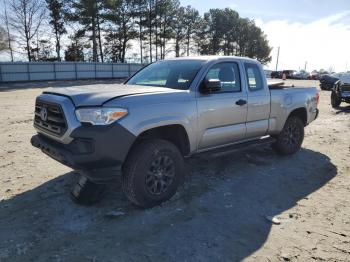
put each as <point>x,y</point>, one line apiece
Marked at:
<point>210,58</point>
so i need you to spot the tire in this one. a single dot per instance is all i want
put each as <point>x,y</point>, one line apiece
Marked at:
<point>291,137</point>
<point>152,173</point>
<point>335,99</point>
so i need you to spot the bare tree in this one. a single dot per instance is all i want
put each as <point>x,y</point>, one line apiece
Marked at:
<point>3,40</point>
<point>26,18</point>
<point>9,36</point>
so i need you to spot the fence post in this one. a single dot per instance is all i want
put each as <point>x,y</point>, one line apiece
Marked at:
<point>129,70</point>
<point>76,71</point>
<point>95,71</point>
<point>0,73</point>
<point>54,70</point>
<point>28,71</point>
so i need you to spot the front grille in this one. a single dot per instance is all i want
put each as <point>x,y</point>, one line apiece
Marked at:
<point>54,123</point>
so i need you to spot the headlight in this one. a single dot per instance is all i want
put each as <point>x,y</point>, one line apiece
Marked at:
<point>100,116</point>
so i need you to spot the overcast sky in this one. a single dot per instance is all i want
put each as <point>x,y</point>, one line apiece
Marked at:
<point>316,31</point>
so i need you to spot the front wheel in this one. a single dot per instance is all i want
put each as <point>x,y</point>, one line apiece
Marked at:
<point>291,137</point>
<point>335,99</point>
<point>152,172</point>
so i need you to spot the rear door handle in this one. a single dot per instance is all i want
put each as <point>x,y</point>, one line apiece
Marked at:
<point>241,102</point>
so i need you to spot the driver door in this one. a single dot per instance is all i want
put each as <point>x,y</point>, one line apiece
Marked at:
<point>222,114</point>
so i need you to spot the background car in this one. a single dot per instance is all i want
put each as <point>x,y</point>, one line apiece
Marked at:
<point>314,75</point>
<point>340,93</point>
<point>288,73</point>
<point>302,74</point>
<point>276,74</point>
<point>327,81</point>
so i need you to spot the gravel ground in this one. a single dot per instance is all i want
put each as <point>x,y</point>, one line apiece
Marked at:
<point>222,213</point>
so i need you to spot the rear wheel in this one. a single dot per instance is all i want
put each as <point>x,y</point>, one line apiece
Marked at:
<point>335,99</point>
<point>291,137</point>
<point>152,172</point>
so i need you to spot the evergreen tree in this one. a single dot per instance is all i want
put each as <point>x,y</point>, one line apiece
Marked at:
<point>87,13</point>
<point>55,8</point>
<point>75,51</point>
<point>121,28</point>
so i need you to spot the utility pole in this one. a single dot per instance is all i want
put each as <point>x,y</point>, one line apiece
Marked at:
<point>278,56</point>
<point>305,65</point>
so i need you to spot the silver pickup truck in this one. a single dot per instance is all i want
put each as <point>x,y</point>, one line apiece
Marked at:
<point>169,110</point>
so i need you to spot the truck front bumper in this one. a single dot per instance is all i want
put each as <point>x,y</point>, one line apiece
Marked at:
<point>96,151</point>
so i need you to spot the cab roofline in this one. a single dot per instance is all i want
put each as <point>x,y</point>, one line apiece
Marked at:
<point>210,58</point>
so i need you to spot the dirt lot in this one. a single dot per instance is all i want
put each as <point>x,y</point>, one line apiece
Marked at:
<point>218,215</point>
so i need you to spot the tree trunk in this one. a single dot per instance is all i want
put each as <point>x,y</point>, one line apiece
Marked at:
<point>150,30</point>
<point>28,50</point>
<point>8,33</point>
<point>140,36</point>
<point>156,27</point>
<point>164,32</point>
<point>188,45</point>
<point>26,33</point>
<point>99,38</point>
<point>94,42</point>
<point>58,44</point>
<point>123,51</point>
<point>177,47</point>
<point>124,42</point>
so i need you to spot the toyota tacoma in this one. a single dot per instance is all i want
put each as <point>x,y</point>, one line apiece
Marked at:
<point>144,128</point>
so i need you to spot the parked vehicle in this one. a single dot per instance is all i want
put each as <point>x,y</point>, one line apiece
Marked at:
<point>344,77</point>
<point>288,73</point>
<point>340,93</point>
<point>169,110</point>
<point>327,81</point>
<point>314,75</point>
<point>301,75</point>
<point>276,74</point>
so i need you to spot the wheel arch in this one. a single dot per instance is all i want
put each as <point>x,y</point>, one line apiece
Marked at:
<point>174,133</point>
<point>300,113</point>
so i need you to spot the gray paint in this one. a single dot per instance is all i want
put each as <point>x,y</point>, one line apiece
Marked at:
<point>210,120</point>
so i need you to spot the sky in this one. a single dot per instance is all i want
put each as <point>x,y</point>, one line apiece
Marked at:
<point>311,32</point>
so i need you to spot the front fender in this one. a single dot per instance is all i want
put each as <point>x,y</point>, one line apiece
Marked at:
<point>141,119</point>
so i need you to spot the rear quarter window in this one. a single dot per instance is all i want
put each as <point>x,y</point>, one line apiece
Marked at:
<point>254,78</point>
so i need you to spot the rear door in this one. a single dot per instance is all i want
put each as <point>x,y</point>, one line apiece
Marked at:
<point>222,114</point>
<point>258,101</point>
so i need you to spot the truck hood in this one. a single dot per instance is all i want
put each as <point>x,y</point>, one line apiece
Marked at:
<point>97,95</point>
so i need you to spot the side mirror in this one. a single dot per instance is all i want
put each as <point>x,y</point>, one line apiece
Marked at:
<point>211,85</point>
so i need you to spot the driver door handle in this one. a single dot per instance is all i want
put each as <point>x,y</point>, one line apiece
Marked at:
<point>241,102</point>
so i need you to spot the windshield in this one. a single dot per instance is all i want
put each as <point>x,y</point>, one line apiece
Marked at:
<point>177,74</point>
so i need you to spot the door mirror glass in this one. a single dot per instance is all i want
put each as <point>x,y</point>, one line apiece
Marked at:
<point>211,85</point>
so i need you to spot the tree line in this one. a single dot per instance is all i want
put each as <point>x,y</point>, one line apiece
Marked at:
<point>109,30</point>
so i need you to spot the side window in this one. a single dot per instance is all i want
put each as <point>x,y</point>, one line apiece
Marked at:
<point>254,78</point>
<point>228,74</point>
